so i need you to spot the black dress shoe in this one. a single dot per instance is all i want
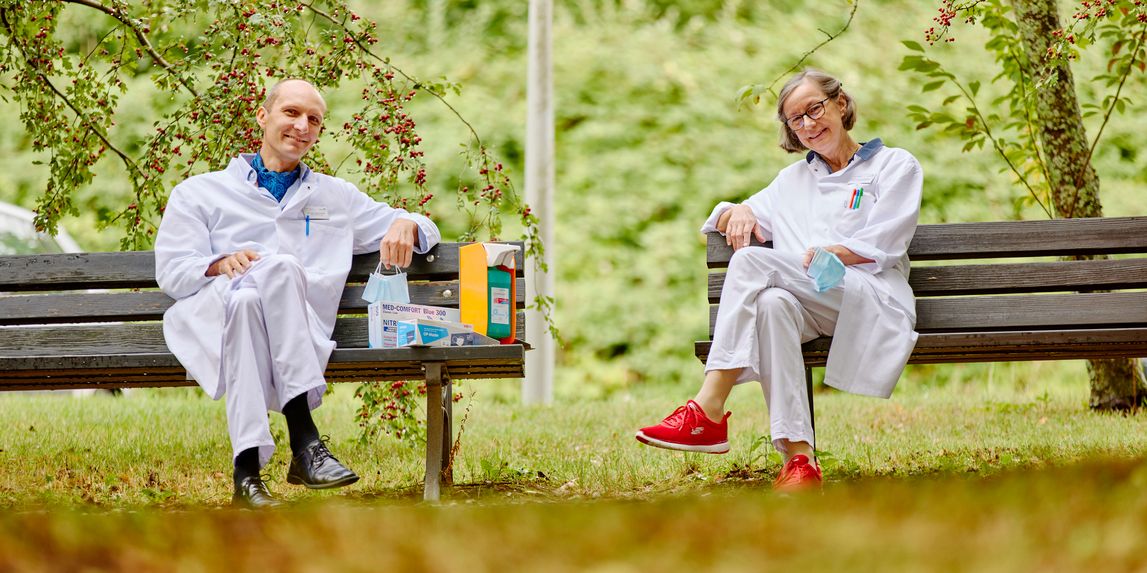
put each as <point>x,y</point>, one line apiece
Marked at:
<point>316,468</point>
<point>252,493</point>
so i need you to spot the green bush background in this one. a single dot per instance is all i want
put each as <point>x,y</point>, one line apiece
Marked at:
<point>649,138</point>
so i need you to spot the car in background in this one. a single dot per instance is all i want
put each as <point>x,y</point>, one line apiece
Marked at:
<point>18,234</point>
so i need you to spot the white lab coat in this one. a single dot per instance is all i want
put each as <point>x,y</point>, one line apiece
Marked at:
<point>806,206</point>
<point>214,214</point>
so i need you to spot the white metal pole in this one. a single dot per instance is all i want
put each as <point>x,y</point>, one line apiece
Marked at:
<point>538,386</point>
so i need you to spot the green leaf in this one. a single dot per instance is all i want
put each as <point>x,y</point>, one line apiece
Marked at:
<point>974,86</point>
<point>910,63</point>
<point>932,86</point>
<point>950,99</point>
<point>914,46</point>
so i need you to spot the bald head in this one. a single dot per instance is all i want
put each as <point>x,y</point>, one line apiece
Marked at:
<point>292,84</point>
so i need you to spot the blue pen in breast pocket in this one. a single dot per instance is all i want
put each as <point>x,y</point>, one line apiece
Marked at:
<point>307,218</point>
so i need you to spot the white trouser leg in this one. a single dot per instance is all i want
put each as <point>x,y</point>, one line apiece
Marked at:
<point>769,307</point>
<point>269,357</point>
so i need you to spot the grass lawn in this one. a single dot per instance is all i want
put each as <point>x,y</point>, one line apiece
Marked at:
<point>999,468</point>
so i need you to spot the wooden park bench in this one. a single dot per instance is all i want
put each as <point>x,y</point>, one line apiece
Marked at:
<point>992,308</point>
<point>94,320</point>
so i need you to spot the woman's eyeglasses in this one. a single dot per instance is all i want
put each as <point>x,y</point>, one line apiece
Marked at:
<point>814,111</point>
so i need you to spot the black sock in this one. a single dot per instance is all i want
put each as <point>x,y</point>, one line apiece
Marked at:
<point>300,426</point>
<point>246,464</point>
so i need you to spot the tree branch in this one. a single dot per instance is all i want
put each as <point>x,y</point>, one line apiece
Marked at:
<point>831,37</point>
<point>999,149</point>
<point>366,50</point>
<point>140,37</point>
<point>1115,100</point>
<point>1030,123</point>
<point>63,97</point>
<point>1110,111</point>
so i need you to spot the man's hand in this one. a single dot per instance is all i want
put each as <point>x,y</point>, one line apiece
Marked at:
<point>233,265</point>
<point>738,223</point>
<point>397,247</point>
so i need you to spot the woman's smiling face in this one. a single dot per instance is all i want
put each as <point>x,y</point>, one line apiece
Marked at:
<point>823,134</point>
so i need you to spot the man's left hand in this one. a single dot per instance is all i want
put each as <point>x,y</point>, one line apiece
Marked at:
<point>397,247</point>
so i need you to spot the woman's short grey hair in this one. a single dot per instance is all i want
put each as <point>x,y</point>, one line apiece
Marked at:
<point>830,86</point>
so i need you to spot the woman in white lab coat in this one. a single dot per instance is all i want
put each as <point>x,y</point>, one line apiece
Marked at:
<point>858,201</point>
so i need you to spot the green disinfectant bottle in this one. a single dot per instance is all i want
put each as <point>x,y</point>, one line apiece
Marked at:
<point>499,280</point>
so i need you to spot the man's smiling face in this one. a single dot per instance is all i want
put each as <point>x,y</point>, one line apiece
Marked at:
<point>291,125</point>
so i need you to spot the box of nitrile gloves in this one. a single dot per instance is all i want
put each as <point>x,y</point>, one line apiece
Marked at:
<point>422,332</point>
<point>383,317</point>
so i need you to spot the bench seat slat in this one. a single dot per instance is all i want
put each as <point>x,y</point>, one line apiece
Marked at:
<point>346,365</point>
<point>136,269</point>
<point>1011,278</point>
<point>1050,312</point>
<point>1000,346</point>
<point>150,305</point>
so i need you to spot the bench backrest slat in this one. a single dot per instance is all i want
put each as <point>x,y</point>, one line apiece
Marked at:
<point>150,305</point>
<point>1020,312</point>
<point>1081,310</point>
<point>1011,278</point>
<point>101,304</point>
<point>1005,239</point>
<point>1055,237</point>
<point>136,269</point>
<point>993,292</point>
<point>141,337</point>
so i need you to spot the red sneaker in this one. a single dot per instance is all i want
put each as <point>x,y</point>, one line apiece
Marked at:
<point>798,474</point>
<point>688,429</point>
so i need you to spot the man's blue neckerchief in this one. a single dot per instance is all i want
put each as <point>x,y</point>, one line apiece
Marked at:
<point>277,182</point>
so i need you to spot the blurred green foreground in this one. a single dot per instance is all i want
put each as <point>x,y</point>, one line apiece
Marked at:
<point>1003,471</point>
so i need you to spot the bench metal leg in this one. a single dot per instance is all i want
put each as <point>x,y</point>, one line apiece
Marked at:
<point>447,427</point>
<point>435,374</point>
<point>811,411</point>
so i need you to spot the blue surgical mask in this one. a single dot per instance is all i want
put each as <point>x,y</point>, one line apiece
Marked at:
<point>386,288</point>
<point>826,269</point>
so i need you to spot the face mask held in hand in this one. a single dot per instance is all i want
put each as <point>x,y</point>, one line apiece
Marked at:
<point>826,269</point>
<point>386,288</point>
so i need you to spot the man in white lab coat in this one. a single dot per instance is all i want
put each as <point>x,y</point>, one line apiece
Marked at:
<point>256,256</point>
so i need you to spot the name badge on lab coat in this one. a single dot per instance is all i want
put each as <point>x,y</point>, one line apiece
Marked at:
<point>316,213</point>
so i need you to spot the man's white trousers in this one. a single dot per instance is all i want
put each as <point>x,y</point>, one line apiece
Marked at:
<point>769,307</point>
<point>268,355</point>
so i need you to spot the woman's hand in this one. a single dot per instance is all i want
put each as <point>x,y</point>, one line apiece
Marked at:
<point>843,253</point>
<point>738,224</point>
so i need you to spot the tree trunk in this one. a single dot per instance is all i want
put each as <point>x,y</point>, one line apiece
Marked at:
<point>1116,384</point>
